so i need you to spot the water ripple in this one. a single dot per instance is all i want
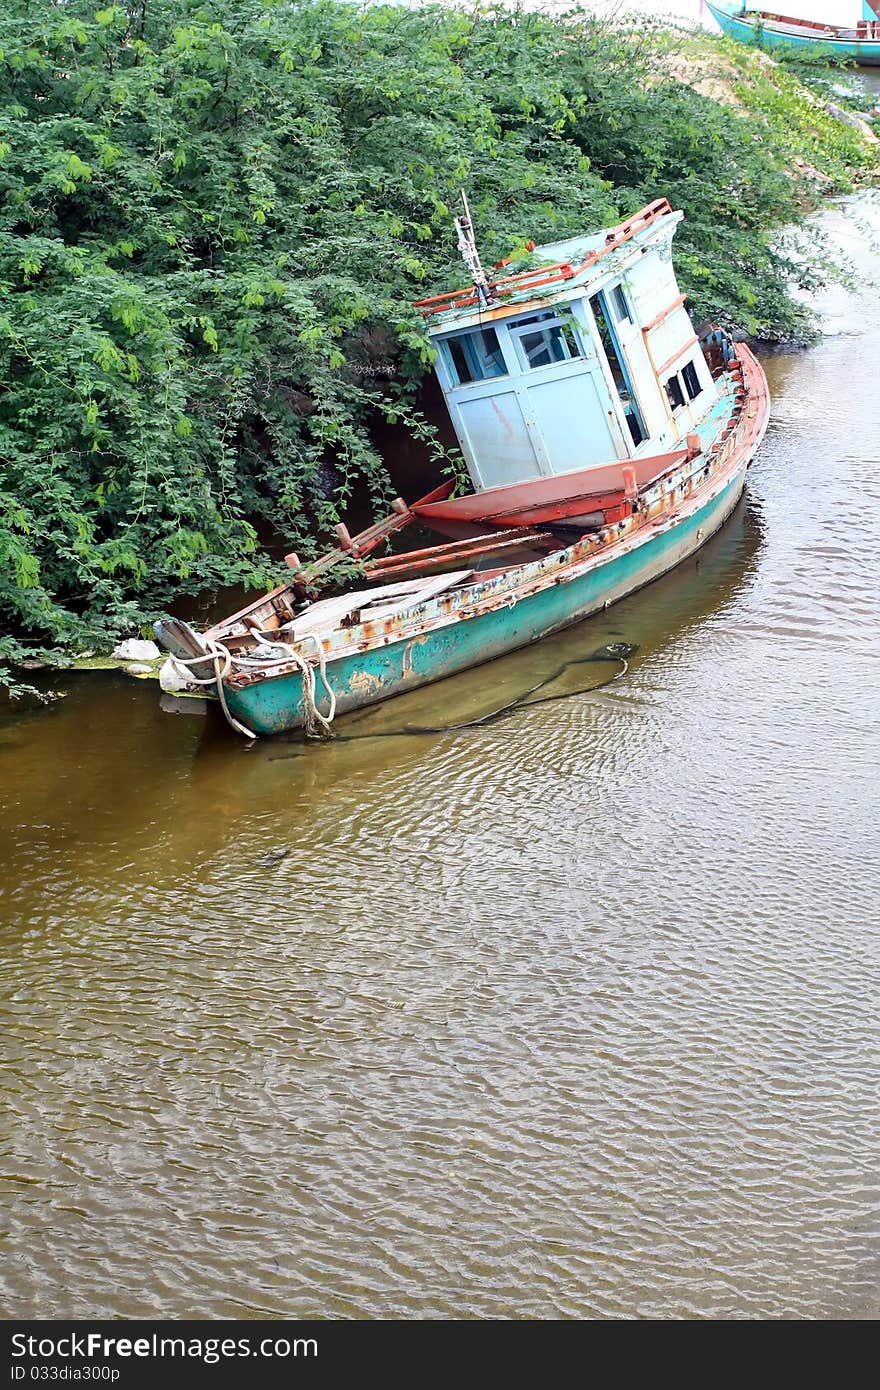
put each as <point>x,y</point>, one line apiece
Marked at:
<point>572,1015</point>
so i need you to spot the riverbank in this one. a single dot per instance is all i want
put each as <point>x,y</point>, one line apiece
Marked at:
<point>800,107</point>
<point>208,275</point>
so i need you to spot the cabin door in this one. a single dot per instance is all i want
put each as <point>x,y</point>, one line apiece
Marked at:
<point>612,315</point>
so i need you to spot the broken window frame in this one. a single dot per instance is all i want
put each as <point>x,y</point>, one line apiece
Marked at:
<point>691,380</point>
<point>555,329</point>
<point>673,387</point>
<point>469,349</point>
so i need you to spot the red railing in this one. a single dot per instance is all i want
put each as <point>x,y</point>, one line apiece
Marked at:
<point>558,273</point>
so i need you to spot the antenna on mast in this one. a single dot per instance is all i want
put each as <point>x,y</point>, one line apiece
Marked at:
<point>467,245</point>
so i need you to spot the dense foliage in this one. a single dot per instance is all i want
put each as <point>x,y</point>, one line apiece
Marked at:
<point>214,217</point>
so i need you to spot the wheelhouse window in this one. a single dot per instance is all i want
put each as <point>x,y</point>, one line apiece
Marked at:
<point>474,356</point>
<point>542,339</point>
<point>620,304</point>
<point>691,381</point>
<point>675,393</point>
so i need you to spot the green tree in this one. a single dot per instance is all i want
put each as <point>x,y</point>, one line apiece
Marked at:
<point>214,217</point>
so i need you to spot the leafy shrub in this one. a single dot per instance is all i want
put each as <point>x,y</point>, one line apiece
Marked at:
<point>214,216</point>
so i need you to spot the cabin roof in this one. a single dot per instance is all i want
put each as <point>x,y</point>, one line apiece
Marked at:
<point>566,265</point>
<point>576,248</point>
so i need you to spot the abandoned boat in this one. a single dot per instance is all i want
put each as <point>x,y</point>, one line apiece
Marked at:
<point>604,444</point>
<point>857,42</point>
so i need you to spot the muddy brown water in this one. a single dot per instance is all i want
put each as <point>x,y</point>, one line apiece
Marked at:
<point>574,1015</point>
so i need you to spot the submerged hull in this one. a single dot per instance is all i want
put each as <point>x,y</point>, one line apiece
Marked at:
<point>865,52</point>
<point>273,706</point>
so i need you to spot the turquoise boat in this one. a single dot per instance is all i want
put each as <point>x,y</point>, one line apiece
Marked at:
<point>604,441</point>
<point>858,42</point>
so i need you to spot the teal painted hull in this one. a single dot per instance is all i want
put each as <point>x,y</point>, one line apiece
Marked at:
<point>272,705</point>
<point>865,53</point>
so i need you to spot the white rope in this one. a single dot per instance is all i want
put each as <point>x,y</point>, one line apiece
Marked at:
<point>315,724</point>
<point>230,717</point>
<point>331,694</point>
<point>216,652</point>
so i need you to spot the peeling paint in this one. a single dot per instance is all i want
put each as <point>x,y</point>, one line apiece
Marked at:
<point>366,684</point>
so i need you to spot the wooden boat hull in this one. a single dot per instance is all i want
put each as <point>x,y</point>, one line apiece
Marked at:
<point>865,52</point>
<point>273,705</point>
<point>501,614</point>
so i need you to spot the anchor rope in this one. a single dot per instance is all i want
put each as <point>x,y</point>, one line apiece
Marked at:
<point>315,724</point>
<point>216,653</point>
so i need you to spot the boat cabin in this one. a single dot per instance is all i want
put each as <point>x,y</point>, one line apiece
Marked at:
<point>587,357</point>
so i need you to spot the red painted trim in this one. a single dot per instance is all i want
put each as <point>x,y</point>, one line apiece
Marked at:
<point>433,557</point>
<point>790,19</point>
<point>670,361</point>
<point>664,314</point>
<point>454,550</point>
<point>546,275</point>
